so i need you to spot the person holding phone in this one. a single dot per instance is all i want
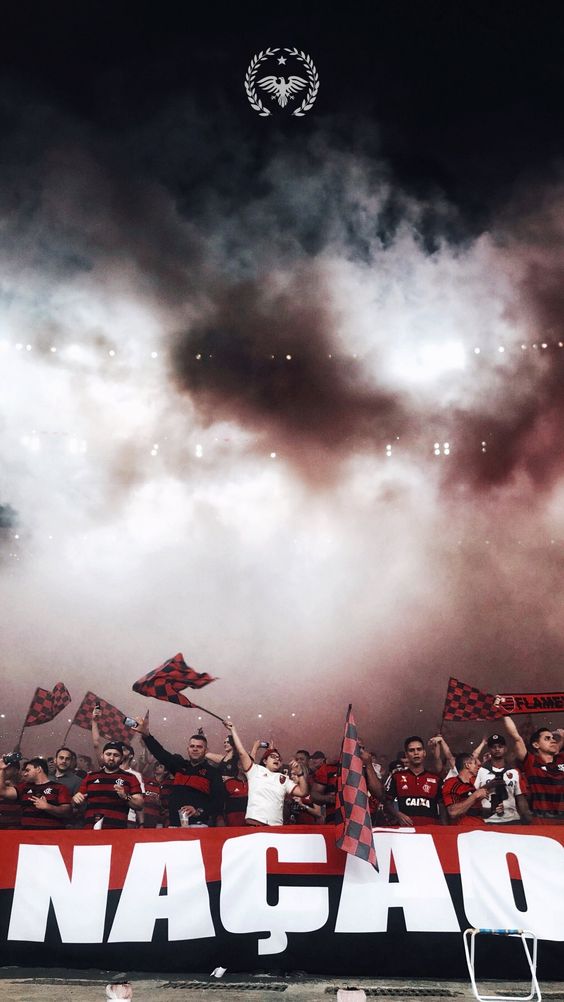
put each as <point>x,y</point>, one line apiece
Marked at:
<point>268,786</point>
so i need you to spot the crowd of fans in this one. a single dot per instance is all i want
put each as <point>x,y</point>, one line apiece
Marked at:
<point>505,780</point>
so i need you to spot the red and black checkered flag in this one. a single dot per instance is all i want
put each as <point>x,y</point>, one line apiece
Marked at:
<point>110,720</point>
<point>354,827</point>
<point>45,705</point>
<point>464,702</point>
<point>167,681</point>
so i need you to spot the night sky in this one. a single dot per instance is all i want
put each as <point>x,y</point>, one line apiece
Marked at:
<point>283,393</point>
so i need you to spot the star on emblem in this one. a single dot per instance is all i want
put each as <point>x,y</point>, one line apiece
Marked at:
<point>282,61</point>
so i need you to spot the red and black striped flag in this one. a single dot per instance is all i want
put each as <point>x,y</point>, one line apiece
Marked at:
<point>167,681</point>
<point>354,827</point>
<point>110,721</point>
<point>464,702</point>
<point>46,704</point>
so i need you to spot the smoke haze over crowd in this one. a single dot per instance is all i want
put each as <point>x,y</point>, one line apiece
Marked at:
<point>274,400</point>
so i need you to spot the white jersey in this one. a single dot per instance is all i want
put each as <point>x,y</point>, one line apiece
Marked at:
<point>511,779</point>
<point>267,791</point>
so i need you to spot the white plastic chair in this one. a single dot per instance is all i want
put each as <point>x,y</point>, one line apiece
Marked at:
<point>469,940</point>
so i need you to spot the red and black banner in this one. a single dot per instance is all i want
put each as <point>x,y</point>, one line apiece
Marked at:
<point>465,702</point>
<point>46,704</point>
<point>110,721</point>
<point>182,900</point>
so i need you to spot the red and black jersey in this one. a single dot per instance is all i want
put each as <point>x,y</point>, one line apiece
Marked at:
<point>103,801</point>
<point>198,786</point>
<point>10,813</point>
<point>153,813</point>
<point>34,818</point>
<point>327,776</point>
<point>235,806</point>
<point>417,795</point>
<point>545,781</point>
<point>456,790</point>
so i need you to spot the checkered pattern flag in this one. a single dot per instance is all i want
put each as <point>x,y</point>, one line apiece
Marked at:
<point>45,705</point>
<point>354,827</point>
<point>110,720</point>
<point>167,681</point>
<point>464,702</point>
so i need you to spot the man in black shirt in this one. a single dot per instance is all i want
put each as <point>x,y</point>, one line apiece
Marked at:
<point>197,787</point>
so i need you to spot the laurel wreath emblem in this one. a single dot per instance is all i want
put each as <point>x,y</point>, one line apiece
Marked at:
<point>312,75</point>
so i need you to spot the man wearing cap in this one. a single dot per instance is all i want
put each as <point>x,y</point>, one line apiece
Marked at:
<point>506,803</point>
<point>110,792</point>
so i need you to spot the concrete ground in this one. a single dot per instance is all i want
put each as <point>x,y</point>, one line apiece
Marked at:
<point>17,985</point>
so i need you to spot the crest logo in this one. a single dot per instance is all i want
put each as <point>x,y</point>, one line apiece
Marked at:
<point>264,79</point>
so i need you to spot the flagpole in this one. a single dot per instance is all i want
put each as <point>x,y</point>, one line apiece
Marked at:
<point>203,709</point>
<point>19,741</point>
<point>67,732</point>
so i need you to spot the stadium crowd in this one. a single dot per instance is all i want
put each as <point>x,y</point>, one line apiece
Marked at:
<point>505,780</point>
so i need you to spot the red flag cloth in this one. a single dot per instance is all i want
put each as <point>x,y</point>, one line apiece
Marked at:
<point>354,827</point>
<point>110,720</point>
<point>464,702</point>
<point>45,705</point>
<point>167,681</point>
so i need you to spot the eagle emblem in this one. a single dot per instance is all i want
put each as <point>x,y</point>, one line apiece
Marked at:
<point>302,80</point>
<point>282,89</point>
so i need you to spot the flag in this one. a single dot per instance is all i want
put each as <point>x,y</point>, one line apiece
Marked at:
<point>354,827</point>
<point>110,721</point>
<point>45,705</point>
<point>167,681</point>
<point>464,702</point>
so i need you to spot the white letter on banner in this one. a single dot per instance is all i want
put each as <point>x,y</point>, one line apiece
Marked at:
<point>421,891</point>
<point>186,904</point>
<point>486,884</point>
<point>79,902</point>
<point>244,907</point>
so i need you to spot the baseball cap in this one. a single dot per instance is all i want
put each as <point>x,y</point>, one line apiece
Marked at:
<point>113,746</point>
<point>496,739</point>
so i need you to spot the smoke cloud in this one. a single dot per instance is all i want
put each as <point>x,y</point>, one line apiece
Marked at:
<point>298,429</point>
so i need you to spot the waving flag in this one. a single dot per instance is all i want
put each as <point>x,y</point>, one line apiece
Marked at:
<point>110,721</point>
<point>167,681</point>
<point>45,704</point>
<point>464,702</point>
